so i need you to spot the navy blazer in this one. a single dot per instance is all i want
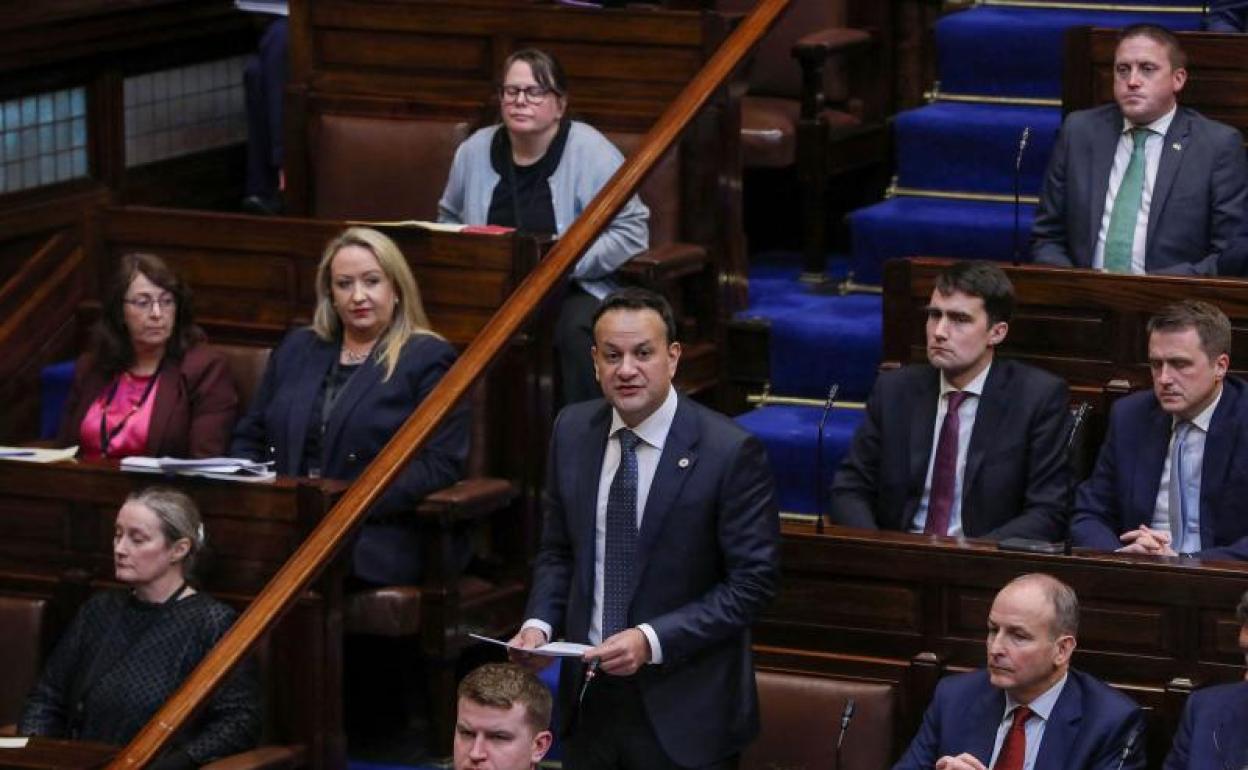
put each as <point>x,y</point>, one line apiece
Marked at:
<point>1088,729</point>
<point>708,563</point>
<point>1214,730</point>
<point>1016,482</point>
<point>1121,493</point>
<point>363,419</point>
<point>1197,209</point>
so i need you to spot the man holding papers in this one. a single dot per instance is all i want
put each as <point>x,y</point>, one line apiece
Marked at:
<point>659,548</point>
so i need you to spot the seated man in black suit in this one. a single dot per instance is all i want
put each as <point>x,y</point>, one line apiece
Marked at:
<point>1214,729</point>
<point>1029,709</point>
<point>966,444</point>
<point>1143,185</point>
<point>1169,479</point>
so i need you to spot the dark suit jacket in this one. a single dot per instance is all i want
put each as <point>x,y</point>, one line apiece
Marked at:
<point>1016,482</point>
<point>1198,196</point>
<point>1220,711</point>
<point>194,410</point>
<point>1227,16</point>
<point>1087,729</point>
<point>708,550</point>
<point>1121,494</point>
<point>363,419</point>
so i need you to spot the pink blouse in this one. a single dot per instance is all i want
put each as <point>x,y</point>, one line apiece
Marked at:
<point>126,407</point>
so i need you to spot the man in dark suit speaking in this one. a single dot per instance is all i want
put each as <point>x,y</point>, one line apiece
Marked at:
<point>968,444</point>
<point>1169,479</point>
<point>659,548</point>
<point>1029,709</point>
<point>1143,185</point>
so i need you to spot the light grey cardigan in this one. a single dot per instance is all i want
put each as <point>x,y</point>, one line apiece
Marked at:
<point>589,159</point>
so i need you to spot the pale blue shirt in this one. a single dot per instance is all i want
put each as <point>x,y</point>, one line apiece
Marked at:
<point>1041,708</point>
<point>653,434</point>
<point>1194,461</point>
<point>966,424</point>
<point>1122,157</point>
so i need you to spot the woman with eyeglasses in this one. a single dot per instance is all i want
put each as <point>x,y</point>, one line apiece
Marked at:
<point>148,384</point>
<point>537,172</point>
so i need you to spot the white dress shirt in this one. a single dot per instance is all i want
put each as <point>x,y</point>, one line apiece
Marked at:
<point>966,425</point>
<point>1041,708</point>
<point>1122,157</point>
<point>1194,458</point>
<point>653,434</point>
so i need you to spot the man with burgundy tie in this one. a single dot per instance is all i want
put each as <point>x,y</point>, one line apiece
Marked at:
<point>1144,185</point>
<point>659,547</point>
<point>1029,710</point>
<point>1170,479</point>
<point>969,443</point>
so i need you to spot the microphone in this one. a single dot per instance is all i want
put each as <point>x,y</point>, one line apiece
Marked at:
<point>846,715</point>
<point>1018,172</point>
<point>1126,747</point>
<point>590,672</point>
<point>819,488</point>
<point>1076,428</point>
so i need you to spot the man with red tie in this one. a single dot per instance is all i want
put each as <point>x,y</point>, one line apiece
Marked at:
<point>1029,710</point>
<point>969,443</point>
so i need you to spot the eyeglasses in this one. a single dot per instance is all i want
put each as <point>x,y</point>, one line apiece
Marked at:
<point>532,94</point>
<point>144,303</point>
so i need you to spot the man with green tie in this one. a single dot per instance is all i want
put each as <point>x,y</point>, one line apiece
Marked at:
<point>1144,185</point>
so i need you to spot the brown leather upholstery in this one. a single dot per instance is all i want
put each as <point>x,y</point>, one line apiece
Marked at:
<point>661,190</point>
<point>801,716</point>
<point>769,129</point>
<point>395,610</point>
<point>379,168</point>
<point>247,364</point>
<point>23,622</point>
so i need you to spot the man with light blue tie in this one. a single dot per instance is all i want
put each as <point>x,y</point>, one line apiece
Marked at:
<point>1169,480</point>
<point>1144,185</point>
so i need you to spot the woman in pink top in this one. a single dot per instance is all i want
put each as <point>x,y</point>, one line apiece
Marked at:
<point>149,385</point>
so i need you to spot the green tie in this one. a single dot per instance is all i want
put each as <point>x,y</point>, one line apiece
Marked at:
<point>1121,235</point>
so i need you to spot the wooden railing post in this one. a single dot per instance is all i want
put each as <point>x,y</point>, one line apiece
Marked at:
<point>316,552</point>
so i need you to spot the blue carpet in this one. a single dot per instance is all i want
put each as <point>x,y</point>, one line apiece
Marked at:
<point>54,382</point>
<point>909,227</point>
<point>790,435</point>
<point>1001,51</point>
<point>973,147</point>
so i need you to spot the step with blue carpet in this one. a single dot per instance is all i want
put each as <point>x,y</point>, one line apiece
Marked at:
<point>973,147</point>
<point>790,435</point>
<point>929,227</point>
<point>1018,52</point>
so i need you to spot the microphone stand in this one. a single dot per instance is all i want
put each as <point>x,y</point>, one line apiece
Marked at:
<point>846,715</point>
<point>1126,747</point>
<point>1018,172</point>
<point>819,490</point>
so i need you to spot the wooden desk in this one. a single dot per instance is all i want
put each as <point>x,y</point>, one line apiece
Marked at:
<point>51,754</point>
<point>56,521</point>
<point>905,608</point>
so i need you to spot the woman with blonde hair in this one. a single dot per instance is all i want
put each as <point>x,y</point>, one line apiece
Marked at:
<point>334,393</point>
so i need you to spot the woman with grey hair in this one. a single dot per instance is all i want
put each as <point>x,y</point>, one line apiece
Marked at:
<point>127,651</point>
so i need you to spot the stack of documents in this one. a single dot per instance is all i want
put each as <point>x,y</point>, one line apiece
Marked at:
<point>32,454</point>
<point>237,468</point>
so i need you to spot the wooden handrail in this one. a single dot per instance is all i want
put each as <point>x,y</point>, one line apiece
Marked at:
<point>315,553</point>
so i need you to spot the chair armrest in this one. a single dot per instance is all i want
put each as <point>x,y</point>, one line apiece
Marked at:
<point>8,730</point>
<point>466,500</point>
<point>263,758</point>
<point>812,52</point>
<point>664,263</point>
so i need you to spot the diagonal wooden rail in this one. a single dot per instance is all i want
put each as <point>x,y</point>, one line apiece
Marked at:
<point>316,552</point>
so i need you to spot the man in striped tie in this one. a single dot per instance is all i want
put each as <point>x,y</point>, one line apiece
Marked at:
<point>1029,710</point>
<point>1144,185</point>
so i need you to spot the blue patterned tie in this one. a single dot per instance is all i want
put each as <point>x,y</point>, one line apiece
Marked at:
<point>621,548</point>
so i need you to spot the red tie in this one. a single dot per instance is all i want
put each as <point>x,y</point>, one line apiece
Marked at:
<point>945,469</point>
<point>1014,750</point>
